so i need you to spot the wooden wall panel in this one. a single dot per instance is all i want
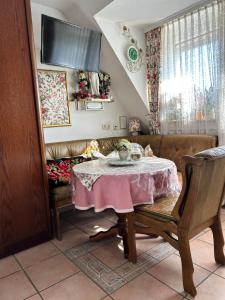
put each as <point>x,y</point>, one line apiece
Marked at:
<point>24,212</point>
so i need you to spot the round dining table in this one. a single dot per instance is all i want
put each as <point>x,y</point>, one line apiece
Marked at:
<point>106,183</point>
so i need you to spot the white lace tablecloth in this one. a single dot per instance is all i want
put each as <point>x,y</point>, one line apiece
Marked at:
<point>89,172</point>
<point>96,184</point>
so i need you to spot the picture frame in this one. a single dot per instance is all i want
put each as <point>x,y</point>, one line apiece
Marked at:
<point>123,122</point>
<point>53,96</point>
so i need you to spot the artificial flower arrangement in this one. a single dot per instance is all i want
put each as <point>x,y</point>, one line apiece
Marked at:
<point>124,148</point>
<point>84,86</point>
<point>123,145</point>
<point>104,85</point>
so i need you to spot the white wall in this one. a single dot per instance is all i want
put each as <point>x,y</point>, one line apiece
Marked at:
<point>85,124</point>
<point>119,43</point>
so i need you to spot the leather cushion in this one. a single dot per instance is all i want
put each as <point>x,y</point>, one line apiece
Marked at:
<point>152,140</point>
<point>107,145</point>
<point>66,149</point>
<point>174,147</point>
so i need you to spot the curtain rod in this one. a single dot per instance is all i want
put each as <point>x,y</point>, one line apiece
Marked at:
<point>178,14</point>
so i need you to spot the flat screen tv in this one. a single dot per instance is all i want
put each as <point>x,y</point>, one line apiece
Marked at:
<point>67,45</point>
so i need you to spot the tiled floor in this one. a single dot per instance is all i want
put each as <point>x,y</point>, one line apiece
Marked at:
<point>75,269</point>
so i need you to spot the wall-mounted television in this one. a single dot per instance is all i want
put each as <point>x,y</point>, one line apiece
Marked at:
<point>67,45</point>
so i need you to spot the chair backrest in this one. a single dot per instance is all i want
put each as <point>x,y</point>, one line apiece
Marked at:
<point>203,188</point>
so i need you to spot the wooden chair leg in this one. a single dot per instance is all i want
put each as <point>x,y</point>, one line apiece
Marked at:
<point>57,223</point>
<point>218,242</point>
<point>187,264</point>
<point>132,256</point>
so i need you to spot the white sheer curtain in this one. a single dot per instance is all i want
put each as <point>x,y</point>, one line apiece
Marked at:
<point>192,73</point>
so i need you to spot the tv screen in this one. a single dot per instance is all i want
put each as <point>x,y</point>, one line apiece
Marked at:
<point>68,45</point>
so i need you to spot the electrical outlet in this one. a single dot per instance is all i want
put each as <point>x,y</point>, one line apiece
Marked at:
<point>106,126</point>
<point>115,126</point>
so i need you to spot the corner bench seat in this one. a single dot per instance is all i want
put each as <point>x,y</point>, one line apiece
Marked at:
<point>172,147</point>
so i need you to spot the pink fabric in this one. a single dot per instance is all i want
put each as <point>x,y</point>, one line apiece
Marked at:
<point>122,192</point>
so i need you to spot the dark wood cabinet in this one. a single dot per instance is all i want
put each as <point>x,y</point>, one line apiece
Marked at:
<point>24,207</point>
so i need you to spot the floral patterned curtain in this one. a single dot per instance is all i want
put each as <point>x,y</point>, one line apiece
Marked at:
<point>153,46</point>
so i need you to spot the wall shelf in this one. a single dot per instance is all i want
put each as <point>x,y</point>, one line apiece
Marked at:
<point>96,100</point>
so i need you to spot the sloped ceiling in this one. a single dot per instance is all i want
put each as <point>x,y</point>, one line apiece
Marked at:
<point>141,12</point>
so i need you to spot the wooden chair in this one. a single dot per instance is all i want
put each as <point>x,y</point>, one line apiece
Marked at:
<point>178,219</point>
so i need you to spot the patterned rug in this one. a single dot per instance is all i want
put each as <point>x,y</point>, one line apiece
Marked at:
<point>112,279</point>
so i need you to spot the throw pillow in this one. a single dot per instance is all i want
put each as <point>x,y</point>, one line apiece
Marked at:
<point>59,170</point>
<point>148,151</point>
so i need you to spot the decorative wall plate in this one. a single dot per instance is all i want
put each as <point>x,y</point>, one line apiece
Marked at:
<point>132,53</point>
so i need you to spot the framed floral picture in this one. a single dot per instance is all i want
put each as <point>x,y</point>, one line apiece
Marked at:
<point>54,98</point>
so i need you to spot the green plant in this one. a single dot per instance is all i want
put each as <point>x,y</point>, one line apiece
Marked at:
<point>123,145</point>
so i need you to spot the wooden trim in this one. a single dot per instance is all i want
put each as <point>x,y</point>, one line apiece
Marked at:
<point>38,110</point>
<point>24,244</point>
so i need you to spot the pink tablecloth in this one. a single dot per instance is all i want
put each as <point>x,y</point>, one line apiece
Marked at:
<point>123,192</point>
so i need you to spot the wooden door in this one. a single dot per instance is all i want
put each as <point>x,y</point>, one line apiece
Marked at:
<point>24,207</point>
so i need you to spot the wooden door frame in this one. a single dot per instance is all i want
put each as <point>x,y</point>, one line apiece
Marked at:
<point>38,107</point>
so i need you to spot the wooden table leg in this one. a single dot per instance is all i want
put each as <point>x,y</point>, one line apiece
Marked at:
<point>111,232</point>
<point>118,229</point>
<point>122,230</point>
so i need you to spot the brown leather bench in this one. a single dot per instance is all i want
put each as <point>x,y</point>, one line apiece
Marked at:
<point>172,147</point>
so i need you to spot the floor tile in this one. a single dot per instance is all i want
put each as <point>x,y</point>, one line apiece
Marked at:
<point>129,271</point>
<point>77,287</point>
<point>222,216</point>
<point>71,239</point>
<point>203,255</point>
<point>109,280</point>
<point>145,287</point>
<point>221,271</point>
<point>169,272</point>
<point>111,254</point>
<point>16,287</point>
<point>161,251</point>
<point>36,254</point>
<point>144,243</point>
<point>65,225</point>
<point>65,213</point>
<point>8,266</point>
<point>96,226</point>
<point>223,224</point>
<point>110,215</point>
<point>51,271</point>
<point>208,237</point>
<point>35,297</point>
<point>213,288</point>
<point>81,217</point>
